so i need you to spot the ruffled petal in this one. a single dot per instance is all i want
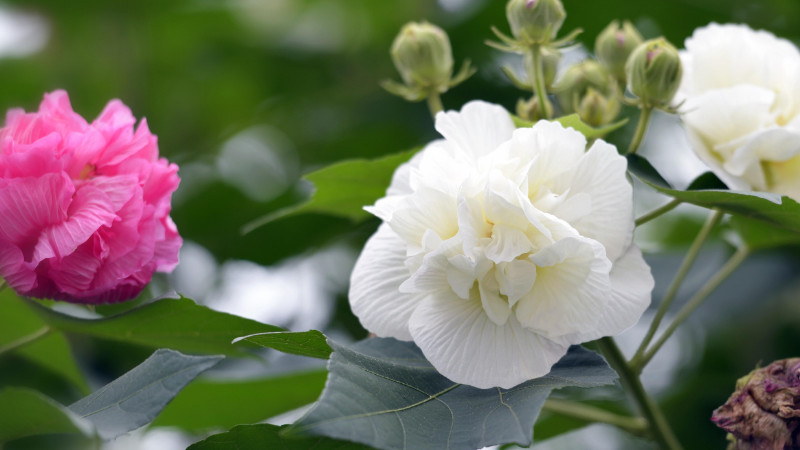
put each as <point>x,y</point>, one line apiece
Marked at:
<point>374,286</point>
<point>464,345</point>
<point>571,289</point>
<point>477,129</point>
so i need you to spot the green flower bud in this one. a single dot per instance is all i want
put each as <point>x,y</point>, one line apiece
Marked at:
<point>654,72</point>
<point>535,21</point>
<point>597,109</point>
<point>614,45</point>
<point>531,110</point>
<point>550,59</point>
<point>423,56</point>
<point>577,80</point>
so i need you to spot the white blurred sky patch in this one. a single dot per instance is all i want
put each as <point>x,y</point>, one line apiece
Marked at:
<point>298,294</point>
<point>21,33</point>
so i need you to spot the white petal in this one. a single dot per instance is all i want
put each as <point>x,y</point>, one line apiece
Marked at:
<point>374,286</point>
<point>631,288</point>
<point>507,243</point>
<point>477,129</point>
<point>552,148</point>
<point>571,289</point>
<point>495,306</point>
<point>774,145</point>
<point>401,184</point>
<point>515,279</point>
<point>464,345</point>
<point>432,274</point>
<point>600,180</point>
<point>426,209</point>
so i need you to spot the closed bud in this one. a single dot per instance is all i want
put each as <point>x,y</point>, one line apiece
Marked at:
<point>764,411</point>
<point>423,56</point>
<point>531,110</point>
<point>535,21</point>
<point>577,80</point>
<point>550,59</point>
<point>597,109</point>
<point>614,45</point>
<point>654,72</point>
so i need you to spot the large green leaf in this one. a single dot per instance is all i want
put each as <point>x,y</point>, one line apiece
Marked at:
<point>776,210</point>
<point>344,188</point>
<point>206,405</point>
<point>265,436</point>
<point>180,324</point>
<point>383,393</point>
<point>305,343</point>
<point>758,235</point>
<point>135,398</point>
<point>48,348</point>
<point>25,412</point>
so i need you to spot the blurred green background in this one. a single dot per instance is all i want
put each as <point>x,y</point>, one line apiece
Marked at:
<point>247,95</point>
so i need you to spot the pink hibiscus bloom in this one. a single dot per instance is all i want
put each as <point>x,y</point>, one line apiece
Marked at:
<point>84,208</point>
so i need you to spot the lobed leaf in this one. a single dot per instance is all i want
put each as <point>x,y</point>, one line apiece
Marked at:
<point>384,393</point>
<point>179,324</point>
<point>135,398</point>
<point>266,436</point>
<point>305,343</point>
<point>343,188</point>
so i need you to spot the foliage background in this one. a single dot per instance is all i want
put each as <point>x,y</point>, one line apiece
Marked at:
<point>302,77</point>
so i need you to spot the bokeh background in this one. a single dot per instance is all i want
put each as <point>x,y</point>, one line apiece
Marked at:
<point>247,95</point>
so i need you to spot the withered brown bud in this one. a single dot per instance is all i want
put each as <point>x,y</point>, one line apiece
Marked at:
<point>764,412</point>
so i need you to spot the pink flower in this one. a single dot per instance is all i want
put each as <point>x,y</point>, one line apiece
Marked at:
<point>84,208</point>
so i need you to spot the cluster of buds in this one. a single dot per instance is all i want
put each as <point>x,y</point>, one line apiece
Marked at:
<point>424,58</point>
<point>588,90</point>
<point>764,411</point>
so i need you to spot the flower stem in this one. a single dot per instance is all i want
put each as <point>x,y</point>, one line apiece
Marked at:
<point>697,300</point>
<point>435,103</point>
<point>588,413</point>
<point>641,127</point>
<point>663,209</point>
<point>713,219</point>
<point>657,423</point>
<point>13,345</point>
<point>538,80</point>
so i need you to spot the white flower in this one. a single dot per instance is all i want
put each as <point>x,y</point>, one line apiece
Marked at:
<point>742,110</point>
<point>500,248</point>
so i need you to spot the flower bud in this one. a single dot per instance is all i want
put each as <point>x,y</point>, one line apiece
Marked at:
<point>764,411</point>
<point>531,110</point>
<point>550,59</point>
<point>577,80</point>
<point>654,72</point>
<point>614,45</point>
<point>422,55</point>
<point>535,21</point>
<point>597,109</point>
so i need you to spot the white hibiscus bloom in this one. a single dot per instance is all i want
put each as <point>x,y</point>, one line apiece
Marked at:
<point>500,248</point>
<point>742,110</point>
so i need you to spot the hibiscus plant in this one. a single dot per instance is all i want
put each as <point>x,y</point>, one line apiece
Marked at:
<point>506,269</point>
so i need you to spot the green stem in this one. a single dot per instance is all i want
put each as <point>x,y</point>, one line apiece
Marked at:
<point>663,209</point>
<point>589,413</point>
<point>435,103</point>
<point>713,219</point>
<point>657,423</point>
<point>13,345</point>
<point>538,80</point>
<point>641,127</point>
<point>697,300</point>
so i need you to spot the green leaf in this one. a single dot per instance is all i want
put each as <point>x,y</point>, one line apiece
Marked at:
<point>779,211</point>
<point>383,393</point>
<point>758,235</point>
<point>180,324</point>
<point>574,121</point>
<point>135,398</point>
<point>343,189</point>
<point>306,343</point>
<point>50,351</point>
<point>236,402</point>
<point>265,436</point>
<point>26,412</point>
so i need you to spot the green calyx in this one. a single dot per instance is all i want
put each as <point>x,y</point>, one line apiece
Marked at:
<point>535,21</point>
<point>654,72</point>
